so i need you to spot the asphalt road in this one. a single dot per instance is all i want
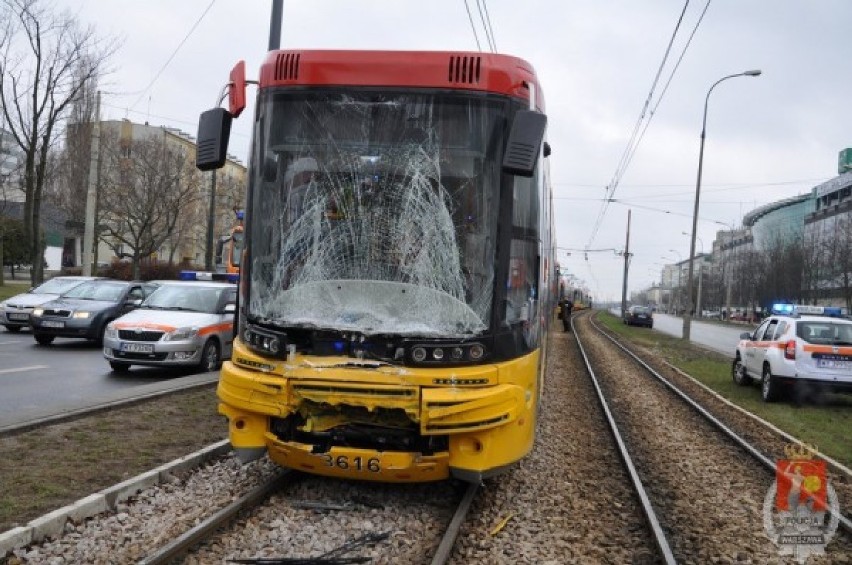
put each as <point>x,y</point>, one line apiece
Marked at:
<point>713,335</point>
<point>37,382</point>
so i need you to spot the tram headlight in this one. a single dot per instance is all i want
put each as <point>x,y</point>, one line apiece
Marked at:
<point>262,342</point>
<point>447,354</point>
<point>418,354</point>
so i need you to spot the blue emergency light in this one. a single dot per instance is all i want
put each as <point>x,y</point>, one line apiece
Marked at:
<point>784,309</point>
<point>207,276</point>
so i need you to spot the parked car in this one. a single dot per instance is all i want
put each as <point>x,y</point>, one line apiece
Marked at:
<point>639,316</point>
<point>804,346</point>
<point>85,310</point>
<point>181,324</point>
<point>15,311</point>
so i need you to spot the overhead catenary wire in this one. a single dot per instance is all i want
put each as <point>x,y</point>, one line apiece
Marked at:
<point>647,111</point>
<point>472,26</point>
<point>172,56</point>
<point>668,83</point>
<point>488,37</point>
<point>491,29</point>
<point>621,167</point>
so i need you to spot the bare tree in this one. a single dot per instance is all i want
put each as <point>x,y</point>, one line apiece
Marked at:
<point>45,60</point>
<point>147,186</point>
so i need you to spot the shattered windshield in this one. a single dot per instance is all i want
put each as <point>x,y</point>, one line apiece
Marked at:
<point>375,211</point>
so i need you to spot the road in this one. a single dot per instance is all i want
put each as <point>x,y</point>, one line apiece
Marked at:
<point>71,374</point>
<point>715,336</point>
<point>37,382</point>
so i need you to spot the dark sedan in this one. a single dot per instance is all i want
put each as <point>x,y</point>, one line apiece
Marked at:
<point>639,316</point>
<point>85,310</point>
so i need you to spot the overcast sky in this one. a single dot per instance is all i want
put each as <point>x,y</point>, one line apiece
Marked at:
<point>768,137</point>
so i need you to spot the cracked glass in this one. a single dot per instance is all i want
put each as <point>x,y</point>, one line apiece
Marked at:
<point>375,211</point>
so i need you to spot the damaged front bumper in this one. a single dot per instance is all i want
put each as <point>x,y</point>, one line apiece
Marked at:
<point>384,425</point>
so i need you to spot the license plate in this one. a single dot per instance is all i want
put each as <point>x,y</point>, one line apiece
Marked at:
<point>833,364</point>
<point>137,347</point>
<point>52,324</point>
<point>18,316</point>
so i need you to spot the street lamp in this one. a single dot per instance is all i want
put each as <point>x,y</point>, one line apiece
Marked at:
<point>686,316</point>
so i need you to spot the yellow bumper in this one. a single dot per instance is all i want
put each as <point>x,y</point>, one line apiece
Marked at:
<point>488,427</point>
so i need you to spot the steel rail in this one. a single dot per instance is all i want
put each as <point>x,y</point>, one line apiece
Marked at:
<point>767,463</point>
<point>445,548</point>
<point>208,526</point>
<point>648,509</point>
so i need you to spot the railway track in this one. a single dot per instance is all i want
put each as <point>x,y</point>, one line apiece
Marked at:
<point>702,485</point>
<point>570,500</point>
<point>208,532</point>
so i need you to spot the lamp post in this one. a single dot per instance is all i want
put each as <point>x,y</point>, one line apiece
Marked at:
<point>686,315</point>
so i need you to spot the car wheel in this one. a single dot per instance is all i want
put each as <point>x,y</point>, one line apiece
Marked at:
<point>42,339</point>
<point>738,372</point>
<point>13,329</point>
<point>210,358</point>
<point>119,367</point>
<point>769,389</point>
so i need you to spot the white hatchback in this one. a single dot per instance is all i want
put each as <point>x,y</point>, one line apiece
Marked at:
<point>797,346</point>
<point>188,324</point>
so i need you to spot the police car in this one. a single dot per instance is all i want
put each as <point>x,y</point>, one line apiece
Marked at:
<point>796,346</point>
<point>187,324</point>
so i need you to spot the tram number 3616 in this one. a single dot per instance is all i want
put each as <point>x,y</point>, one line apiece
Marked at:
<point>354,463</point>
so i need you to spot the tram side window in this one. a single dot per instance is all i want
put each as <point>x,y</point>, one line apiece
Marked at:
<point>522,286</point>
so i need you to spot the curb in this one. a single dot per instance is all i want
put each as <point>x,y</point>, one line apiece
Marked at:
<point>71,415</point>
<point>52,524</point>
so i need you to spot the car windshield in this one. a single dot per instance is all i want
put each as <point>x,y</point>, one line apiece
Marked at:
<point>106,291</point>
<point>834,333</point>
<point>180,297</point>
<point>375,211</point>
<point>641,310</point>
<point>56,286</point>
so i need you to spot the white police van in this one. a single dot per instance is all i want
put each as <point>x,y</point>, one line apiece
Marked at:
<point>796,346</point>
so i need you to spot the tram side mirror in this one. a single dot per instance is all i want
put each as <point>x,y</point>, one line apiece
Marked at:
<point>746,335</point>
<point>525,139</point>
<point>214,129</point>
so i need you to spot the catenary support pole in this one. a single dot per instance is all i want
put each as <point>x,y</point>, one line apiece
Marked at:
<point>91,193</point>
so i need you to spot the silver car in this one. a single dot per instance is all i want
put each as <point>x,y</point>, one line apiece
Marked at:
<point>188,324</point>
<point>15,312</point>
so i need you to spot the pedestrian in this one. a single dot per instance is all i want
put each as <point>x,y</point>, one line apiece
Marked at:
<point>567,307</point>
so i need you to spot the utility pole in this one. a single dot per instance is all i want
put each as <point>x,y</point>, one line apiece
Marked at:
<point>211,223</point>
<point>275,25</point>
<point>92,193</point>
<point>626,265</point>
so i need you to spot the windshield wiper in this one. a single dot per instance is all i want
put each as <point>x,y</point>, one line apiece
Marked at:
<point>180,308</point>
